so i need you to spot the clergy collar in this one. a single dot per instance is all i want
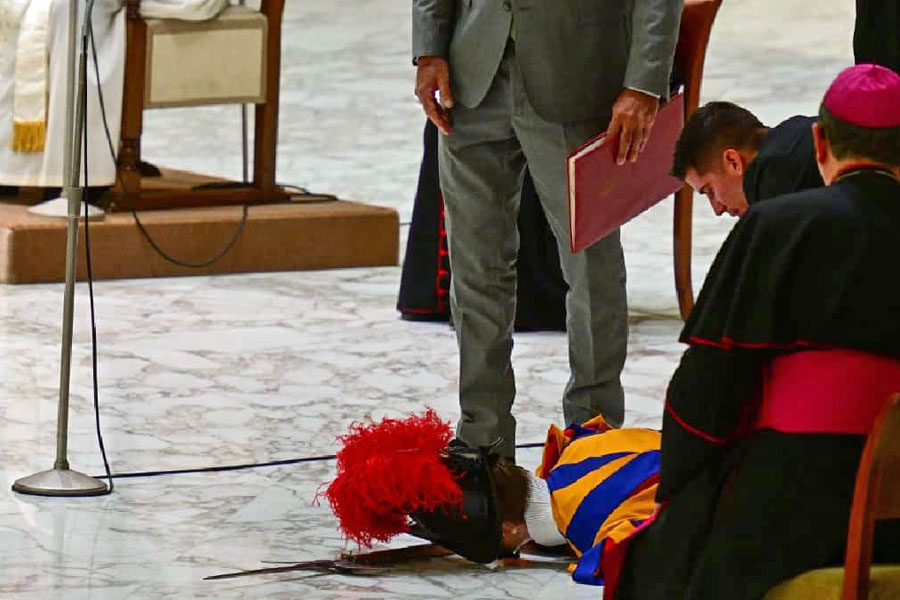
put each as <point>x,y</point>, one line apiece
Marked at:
<point>853,169</point>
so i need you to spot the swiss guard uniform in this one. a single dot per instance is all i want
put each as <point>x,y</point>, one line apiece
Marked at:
<point>794,348</point>
<point>602,484</point>
<point>399,476</point>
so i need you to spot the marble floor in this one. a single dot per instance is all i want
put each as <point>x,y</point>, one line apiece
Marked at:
<point>226,370</point>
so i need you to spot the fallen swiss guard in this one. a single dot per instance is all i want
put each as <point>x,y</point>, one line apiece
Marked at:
<point>595,485</point>
<point>793,348</point>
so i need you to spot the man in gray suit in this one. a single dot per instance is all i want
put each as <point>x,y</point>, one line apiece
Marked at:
<point>516,82</point>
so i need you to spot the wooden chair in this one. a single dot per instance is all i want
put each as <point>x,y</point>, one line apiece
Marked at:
<point>876,497</point>
<point>693,37</point>
<point>129,192</point>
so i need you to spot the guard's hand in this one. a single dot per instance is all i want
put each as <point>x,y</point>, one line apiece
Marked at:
<point>632,118</point>
<point>433,75</point>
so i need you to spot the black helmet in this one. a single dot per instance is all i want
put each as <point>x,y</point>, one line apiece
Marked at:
<point>472,530</point>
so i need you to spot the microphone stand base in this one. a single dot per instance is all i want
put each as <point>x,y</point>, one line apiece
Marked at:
<point>59,482</point>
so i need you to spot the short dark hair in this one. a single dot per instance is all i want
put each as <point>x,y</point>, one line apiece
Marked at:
<point>881,144</point>
<point>511,485</point>
<point>709,130</point>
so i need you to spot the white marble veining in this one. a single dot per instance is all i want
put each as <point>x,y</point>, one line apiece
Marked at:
<point>236,369</point>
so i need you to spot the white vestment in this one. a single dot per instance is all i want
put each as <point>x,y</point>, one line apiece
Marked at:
<point>45,169</point>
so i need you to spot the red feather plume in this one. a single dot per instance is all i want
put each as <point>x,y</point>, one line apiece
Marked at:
<point>387,470</point>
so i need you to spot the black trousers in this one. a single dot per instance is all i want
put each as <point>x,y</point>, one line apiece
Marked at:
<point>776,506</point>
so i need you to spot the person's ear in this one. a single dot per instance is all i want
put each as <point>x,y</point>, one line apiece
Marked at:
<point>823,152</point>
<point>820,142</point>
<point>732,162</point>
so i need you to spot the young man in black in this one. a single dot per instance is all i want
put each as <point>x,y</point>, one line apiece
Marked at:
<point>728,155</point>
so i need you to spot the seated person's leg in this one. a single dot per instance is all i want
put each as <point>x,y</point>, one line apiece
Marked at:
<point>783,511</point>
<point>661,557</point>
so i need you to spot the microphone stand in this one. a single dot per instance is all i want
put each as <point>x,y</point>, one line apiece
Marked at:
<point>61,480</point>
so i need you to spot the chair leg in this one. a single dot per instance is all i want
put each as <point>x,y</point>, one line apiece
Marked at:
<point>266,132</point>
<point>684,200</point>
<point>132,106</point>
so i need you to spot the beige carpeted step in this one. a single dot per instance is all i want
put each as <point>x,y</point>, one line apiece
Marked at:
<point>279,237</point>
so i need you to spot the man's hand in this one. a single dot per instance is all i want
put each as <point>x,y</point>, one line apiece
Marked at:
<point>433,75</point>
<point>632,118</point>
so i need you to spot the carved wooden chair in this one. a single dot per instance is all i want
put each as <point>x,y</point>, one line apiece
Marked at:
<point>876,497</point>
<point>156,78</point>
<point>696,23</point>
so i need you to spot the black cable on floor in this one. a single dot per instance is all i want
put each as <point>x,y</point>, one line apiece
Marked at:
<point>227,248</point>
<point>299,192</point>
<point>239,467</point>
<point>156,247</point>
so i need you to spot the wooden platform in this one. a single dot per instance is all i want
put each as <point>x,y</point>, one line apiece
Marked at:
<point>277,237</point>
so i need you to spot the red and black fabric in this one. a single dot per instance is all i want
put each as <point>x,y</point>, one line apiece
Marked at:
<point>785,163</point>
<point>425,279</point>
<point>709,405</point>
<point>805,271</point>
<point>744,508</point>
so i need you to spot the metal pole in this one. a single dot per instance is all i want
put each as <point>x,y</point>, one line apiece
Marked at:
<point>60,480</point>
<point>70,91</point>
<point>244,136</point>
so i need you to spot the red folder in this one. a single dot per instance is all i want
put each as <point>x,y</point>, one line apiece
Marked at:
<point>603,195</point>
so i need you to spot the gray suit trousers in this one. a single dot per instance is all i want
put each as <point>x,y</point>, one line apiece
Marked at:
<point>481,168</point>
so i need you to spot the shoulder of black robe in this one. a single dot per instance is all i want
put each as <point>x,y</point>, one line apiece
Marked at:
<point>785,163</point>
<point>814,269</point>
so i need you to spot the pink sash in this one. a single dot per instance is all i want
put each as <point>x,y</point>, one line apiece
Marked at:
<point>827,391</point>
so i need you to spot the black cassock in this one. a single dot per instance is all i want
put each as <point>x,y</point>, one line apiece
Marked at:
<point>876,38</point>
<point>785,163</point>
<point>425,281</point>
<point>747,507</point>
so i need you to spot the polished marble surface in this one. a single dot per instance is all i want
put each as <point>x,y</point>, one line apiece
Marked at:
<point>236,369</point>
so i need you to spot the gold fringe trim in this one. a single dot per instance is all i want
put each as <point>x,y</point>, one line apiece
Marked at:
<point>29,136</point>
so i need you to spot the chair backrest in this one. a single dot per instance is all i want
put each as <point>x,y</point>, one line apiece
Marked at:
<point>697,18</point>
<point>875,497</point>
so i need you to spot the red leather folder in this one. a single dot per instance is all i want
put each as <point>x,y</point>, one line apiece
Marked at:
<point>603,195</point>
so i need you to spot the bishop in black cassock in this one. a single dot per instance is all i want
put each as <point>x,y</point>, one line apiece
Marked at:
<point>794,346</point>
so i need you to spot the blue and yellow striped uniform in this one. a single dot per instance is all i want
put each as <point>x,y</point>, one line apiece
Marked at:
<point>602,486</point>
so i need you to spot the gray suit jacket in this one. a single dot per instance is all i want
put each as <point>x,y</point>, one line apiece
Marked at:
<point>575,55</point>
